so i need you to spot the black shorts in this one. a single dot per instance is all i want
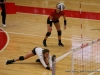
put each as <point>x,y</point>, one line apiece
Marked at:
<point>33,51</point>
<point>48,21</point>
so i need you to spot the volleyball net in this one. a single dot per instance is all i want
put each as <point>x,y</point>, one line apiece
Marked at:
<point>85,59</point>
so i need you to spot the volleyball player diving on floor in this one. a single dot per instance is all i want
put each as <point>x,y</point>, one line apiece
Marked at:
<point>43,54</point>
<point>54,18</point>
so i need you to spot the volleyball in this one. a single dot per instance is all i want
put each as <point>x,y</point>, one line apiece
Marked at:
<point>61,6</point>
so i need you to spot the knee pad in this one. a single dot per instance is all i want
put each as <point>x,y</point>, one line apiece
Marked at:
<point>48,33</point>
<point>59,33</point>
<point>21,58</point>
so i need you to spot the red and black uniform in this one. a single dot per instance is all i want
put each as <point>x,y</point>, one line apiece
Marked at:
<point>55,16</point>
<point>3,13</point>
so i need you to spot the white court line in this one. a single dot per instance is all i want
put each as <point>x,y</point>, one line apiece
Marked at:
<point>37,35</point>
<point>72,39</point>
<point>94,72</point>
<point>7,39</point>
<point>2,31</point>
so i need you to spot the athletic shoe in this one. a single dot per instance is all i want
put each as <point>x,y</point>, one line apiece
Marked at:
<point>37,60</point>
<point>4,25</point>
<point>9,62</point>
<point>44,43</point>
<point>60,44</point>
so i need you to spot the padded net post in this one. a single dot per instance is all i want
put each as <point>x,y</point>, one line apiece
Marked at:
<point>53,64</point>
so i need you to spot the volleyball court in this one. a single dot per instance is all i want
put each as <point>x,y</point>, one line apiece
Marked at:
<point>85,58</point>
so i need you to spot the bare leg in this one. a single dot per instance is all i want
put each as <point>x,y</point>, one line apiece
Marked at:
<point>57,25</point>
<point>30,54</point>
<point>49,29</point>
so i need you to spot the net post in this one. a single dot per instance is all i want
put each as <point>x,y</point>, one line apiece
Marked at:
<point>72,72</point>
<point>53,64</point>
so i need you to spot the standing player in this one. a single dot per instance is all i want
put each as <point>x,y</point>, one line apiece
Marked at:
<point>3,13</point>
<point>54,18</point>
<point>43,54</point>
